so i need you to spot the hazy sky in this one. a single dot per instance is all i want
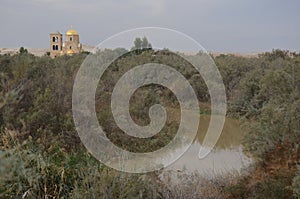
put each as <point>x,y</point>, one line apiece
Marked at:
<point>219,25</point>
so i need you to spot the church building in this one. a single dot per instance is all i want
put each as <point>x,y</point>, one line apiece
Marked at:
<point>70,46</point>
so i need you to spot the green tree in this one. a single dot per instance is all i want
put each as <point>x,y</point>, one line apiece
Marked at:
<point>138,43</point>
<point>23,50</point>
<point>145,43</point>
<point>296,184</point>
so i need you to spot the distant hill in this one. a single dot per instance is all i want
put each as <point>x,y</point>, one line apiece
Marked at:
<point>88,48</point>
<point>38,51</point>
<point>35,51</point>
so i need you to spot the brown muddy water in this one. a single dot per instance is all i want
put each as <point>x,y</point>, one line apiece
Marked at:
<point>227,156</point>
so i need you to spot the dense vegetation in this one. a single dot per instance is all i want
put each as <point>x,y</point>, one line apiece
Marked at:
<point>41,155</point>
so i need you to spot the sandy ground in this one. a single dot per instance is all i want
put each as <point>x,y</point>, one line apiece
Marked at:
<point>37,51</point>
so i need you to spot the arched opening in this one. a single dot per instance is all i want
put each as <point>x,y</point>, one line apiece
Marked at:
<point>54,39</point>
<point>53,47</point>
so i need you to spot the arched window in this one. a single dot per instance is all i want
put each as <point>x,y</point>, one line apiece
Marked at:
<point>53,47</point>
<point>56,47</point>
<point>70,47</point>
<point>54,39</point>
<point>71,39</point>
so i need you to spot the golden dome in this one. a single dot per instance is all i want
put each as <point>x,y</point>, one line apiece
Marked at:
<point>71,32</point>
<point>69,52</point>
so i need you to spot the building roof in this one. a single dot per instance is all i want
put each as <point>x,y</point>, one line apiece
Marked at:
<point>71,32</point>
<point>55,33</point>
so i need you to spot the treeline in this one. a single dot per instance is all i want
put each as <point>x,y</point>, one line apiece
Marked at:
<point>267,96</point>
<point>42,156</point>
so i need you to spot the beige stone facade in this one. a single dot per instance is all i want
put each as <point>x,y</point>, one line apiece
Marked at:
<point>70,46</point>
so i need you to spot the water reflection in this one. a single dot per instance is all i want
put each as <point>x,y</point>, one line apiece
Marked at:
<point>231,135</point>
<point>226,157</point>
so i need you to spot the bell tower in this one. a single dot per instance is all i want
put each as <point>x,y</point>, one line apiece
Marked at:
<point>55,44</point>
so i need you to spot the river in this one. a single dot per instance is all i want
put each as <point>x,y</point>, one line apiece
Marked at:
<point>227,155</point>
